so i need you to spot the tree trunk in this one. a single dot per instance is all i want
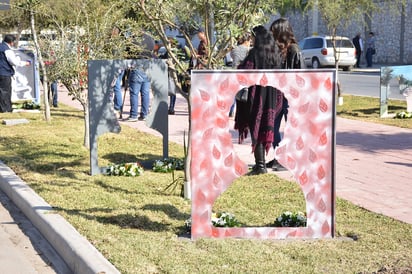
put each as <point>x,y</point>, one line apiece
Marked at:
<point>47,115</point>
<point>187,185</point>
<point>86,126</point>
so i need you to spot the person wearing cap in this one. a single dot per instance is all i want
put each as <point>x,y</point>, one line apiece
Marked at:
<point>8,60</point>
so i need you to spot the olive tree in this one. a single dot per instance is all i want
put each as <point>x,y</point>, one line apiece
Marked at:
<point>83,29</point>
<point>223,21</point>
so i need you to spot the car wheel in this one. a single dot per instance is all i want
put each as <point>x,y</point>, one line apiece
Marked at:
<point>315,63</point>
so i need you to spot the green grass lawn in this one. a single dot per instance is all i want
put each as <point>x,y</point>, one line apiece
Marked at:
<point>367,109</point>
<point>139,227</point>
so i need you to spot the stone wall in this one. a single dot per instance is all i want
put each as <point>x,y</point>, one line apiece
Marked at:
<point>393,32</point>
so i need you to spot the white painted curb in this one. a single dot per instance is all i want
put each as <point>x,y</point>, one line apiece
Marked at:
<point>78,253</point>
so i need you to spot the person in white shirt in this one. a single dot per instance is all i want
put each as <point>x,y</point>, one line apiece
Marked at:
<point>8,61</point>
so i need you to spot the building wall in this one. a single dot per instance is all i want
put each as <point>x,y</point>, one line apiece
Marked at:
<point>393,32</point>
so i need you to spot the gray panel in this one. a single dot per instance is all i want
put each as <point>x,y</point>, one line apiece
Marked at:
<point>101,76</point>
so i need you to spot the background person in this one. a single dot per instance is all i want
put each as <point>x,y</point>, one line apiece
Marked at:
<point>238,54</point>
<point>257,115</point>
<point>291,59</point>
<point>8,60</point>
<point>198,61</point>
<point>358,43</point>
<point>138,80</point>
<point>370,48</point>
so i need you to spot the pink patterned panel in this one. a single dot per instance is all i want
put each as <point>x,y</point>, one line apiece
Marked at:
<point>307,148</point>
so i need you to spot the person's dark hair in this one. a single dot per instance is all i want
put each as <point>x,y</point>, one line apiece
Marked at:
<point>371,33</point>
<point>283,34</point>
<point>264,49</point>
<point>8,38</point>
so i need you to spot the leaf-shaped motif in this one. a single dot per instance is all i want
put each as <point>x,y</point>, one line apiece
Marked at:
<point>239,169</point>
<point>294,122</point>
<point>323,106</point>
<point>221,123</point>
<point>310,195</point>
<point>205,164</point>
<point>294,93</point>
<point>299,143</point>
<point>321,206</point>
<point>283,81</point>
<point>312,156</point>
<point>291,163</point>
<point>216,180</point>
<point>321,173</point>
<point>264,80</point>
<point>315,83</point>
<point>303,108</point>
<point>224,84</point>
<point>229,160</point>
<point>225,140</point>
<point>280,150</point>
<point>242,79</point>
<point>303,178</point>
<point>207,134</point>
<point>221,104</point>
<point>300,81</point>
<point>204,95</point>
<point>326,228</point>
<point>323,139</point>
<point>328,84</point>
<point>216,153</point>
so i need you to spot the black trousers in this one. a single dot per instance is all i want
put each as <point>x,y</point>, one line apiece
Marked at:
<point>358,57</point>
<point>5,94</point>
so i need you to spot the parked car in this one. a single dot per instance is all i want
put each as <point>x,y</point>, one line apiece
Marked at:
<point>317,52</point>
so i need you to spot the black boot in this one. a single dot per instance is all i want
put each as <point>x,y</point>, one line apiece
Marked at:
<point>270,163</point>
<point>260,166</point>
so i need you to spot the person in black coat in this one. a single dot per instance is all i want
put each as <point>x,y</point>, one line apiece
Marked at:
<point>358,43</point>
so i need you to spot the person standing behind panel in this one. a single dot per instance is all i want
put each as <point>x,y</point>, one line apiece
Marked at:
<point>8,60</point>
<point>238,54</point>
<point>291,59</point>
<point>257,115</point>
<point>358,43</point>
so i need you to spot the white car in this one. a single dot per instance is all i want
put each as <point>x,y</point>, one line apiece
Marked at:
<point>318,52</point>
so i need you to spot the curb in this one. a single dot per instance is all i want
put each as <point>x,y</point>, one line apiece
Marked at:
<point>78,253</point>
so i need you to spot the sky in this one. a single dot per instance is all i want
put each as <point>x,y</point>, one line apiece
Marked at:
<point>406,71</point>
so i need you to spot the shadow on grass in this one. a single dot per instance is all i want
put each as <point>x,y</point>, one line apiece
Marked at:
<point>30,156</point>
<point>111,188</point>
<point>67,113</point>
<point>367,112</point>
<point>129,220</point>
<point>145,160</point>
<point>134,221</point>
<point>168,209</point>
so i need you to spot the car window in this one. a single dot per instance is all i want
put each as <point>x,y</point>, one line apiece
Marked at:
<point>313,43</point>
<point>341,43</point>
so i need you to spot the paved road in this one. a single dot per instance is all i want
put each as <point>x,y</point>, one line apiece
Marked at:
<point>366,82</point>
<point>23,249</point>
